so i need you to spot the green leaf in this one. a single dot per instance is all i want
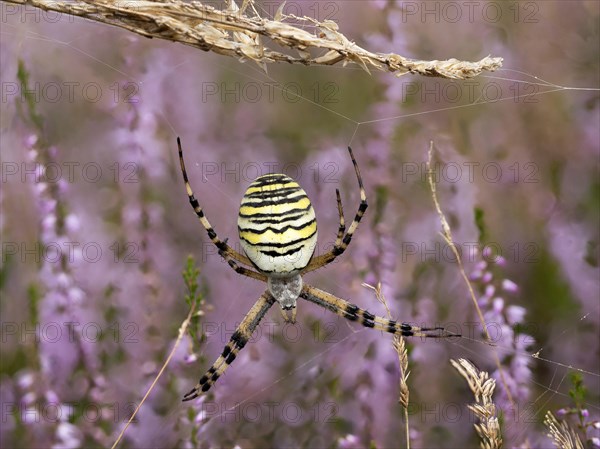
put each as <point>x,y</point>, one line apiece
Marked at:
<point>23,77</point>
<point>193,298</point>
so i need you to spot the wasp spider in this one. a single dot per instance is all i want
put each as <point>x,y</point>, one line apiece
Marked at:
<point>278,233</point>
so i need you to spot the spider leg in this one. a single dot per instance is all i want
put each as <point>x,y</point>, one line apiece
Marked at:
<point>287,318</point>
<point>243,270</point>
<point>352,312</point>
<point>225,251</point>
<point>237,342</point>
<point>342,243</point>
<point>342,228</point>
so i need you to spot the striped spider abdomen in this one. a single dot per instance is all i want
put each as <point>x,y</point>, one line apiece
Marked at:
<point>277,225</point>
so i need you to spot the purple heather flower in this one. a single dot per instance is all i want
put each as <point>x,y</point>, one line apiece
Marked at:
<point>509,286</point>
<point>63,280</point>
<point>481,265</point>
<point>379,4</point>
<point>515,314</point>
<point>29,398</point>
<point>483,301</point>
<point>487,252</point>
<point>25,380</point>
<point>51,397</point>
<point>487,277</point>
<point>30,141</point>
<point>63,186</point>
<point>149,367</point>
<point>475,275</point>
<point>498,305</point>
<point>39,172</point>
<point>490,290</point>
<point>49,221</point>
<point>202,414</point>
<point>349,442</point>
<point>69,436</point>
<point>500,261</point>
<point>48,206</point>
<point>30,415</point>
<point>41,187</point>
<point>75,295</point>
<point>72,223</point>
<point>190,358</point>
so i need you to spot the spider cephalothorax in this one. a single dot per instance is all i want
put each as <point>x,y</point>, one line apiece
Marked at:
<point>278,233</point>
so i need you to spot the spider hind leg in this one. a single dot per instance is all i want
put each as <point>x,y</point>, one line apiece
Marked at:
<point>235,345</point>
<point>237,342</point>
<point>352,312</point>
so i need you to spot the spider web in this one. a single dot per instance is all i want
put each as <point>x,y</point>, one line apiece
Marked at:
<point>467,345</point>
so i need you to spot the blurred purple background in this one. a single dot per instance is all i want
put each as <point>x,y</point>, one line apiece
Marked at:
<point>101,239</point>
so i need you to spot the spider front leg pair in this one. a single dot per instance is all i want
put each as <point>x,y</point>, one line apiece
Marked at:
<point>225,251</point>
<point>278,232</point>
<point>343,238</point>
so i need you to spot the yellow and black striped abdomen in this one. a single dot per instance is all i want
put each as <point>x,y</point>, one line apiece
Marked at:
<point>277,225</point>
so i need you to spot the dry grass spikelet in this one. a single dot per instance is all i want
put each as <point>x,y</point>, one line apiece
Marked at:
<point>239,32</point>
<point>400,346</point>
<point>562,433</point>
<point>484,408</point>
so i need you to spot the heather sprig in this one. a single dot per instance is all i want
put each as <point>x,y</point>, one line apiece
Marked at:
<point>588,427</point>
<point>194,299</point>
<point>60,298</point>
<point>515,375</point>
<point>190,274</point>
<point>195,417</point>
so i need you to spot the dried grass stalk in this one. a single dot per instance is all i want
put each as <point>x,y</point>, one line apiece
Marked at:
<point>447,235</point>
<point>400,346</point>
<point>482,387</point>
<point>239,33</point>
<point>562,433</point>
